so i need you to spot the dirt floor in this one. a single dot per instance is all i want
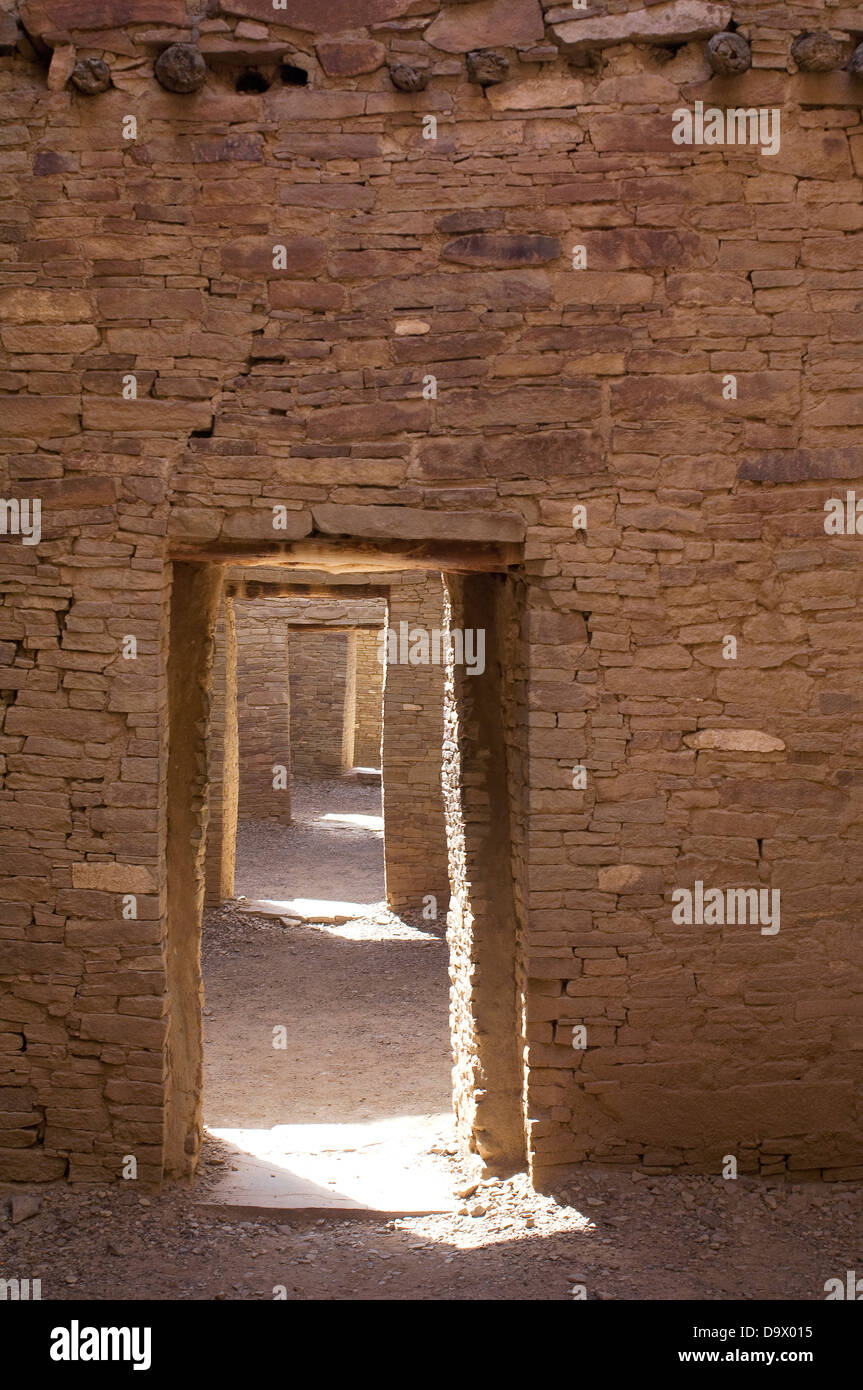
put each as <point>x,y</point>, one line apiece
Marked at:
<point>365,1008</point>
<point>620,1238</point>
<point>364,1004</point>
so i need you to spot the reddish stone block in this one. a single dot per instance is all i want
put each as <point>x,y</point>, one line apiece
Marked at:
<point>253,257</point>
<point>48,17</point>
<point>502,250</point>
<point>344,58</point>
<point>39,417</point>
<point>330,18</point>
<point>498,23</point>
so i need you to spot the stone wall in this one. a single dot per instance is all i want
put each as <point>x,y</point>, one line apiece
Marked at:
<point>319,668</point>
<point>223,773</point>
<point>502,297</point>
<point>414,831</point>
<point>369,701</point>
<point>321,665</point>
<point>263,713</point>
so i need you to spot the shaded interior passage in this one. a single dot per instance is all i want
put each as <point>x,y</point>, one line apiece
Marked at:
<point>364,1002</point>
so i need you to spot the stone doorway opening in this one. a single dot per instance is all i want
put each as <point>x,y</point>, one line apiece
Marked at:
<point>479,774</point>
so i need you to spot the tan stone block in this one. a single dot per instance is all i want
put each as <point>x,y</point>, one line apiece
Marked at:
<point>257,524</point>
<point>735,741</point>
<point>184,305</point>
<point>409,523</point>
<point>536,93</point>
<point>120,1028</point>
<point>195,523</point>
<point>72,493</point>
<point>489,23</point>
<point>493,289</point>
<point>48,17</point>
<point>45,306</point>
<point>111,877</point>
<point>333,18</point>
<point>598,287</point>
<point>679,21</point>
<point>39,417</point>
<point>766,690</point>
<point>254,256</point>
<point>350,58</point>
<point>37,957</point>
<point>162,417</point>
<point>630,878</point>
<point>19,1165</point>
<point>67,337</point>
<point>364,422</point>
<point>640,89</point>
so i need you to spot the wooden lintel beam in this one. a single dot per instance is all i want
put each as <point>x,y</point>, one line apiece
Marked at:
<point>338,593</point>
<point>359,556</point>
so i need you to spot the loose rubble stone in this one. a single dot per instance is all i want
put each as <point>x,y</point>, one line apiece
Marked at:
<point>855,64</point>
<point>23,1205</point>
<point>181,68</point>
<point>91,76</point>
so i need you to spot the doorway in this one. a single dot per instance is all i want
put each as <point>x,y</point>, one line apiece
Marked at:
<point>482,781</point>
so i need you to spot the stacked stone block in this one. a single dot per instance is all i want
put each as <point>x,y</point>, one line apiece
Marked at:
<point>369,700</point>
<point>414,830</point>
<point>319,673</point>
<point>263,714</point>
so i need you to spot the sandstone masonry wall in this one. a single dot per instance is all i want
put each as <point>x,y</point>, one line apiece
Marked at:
<point>319,662</point>
<point>423,376</point>
<point>414,829</point>
<point>263,714</point>
<point>369,706</point>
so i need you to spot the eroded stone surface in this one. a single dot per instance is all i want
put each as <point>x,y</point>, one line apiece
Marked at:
<point>342,58</point>
<point>508,23</point>
<point>44,18</point>
<point>677,22</point>
<point>536,93</point>
<point>629,878</point>
<point>495,250</point>
<point>735,741</point>
<point>331,17</point>
<point>111,877</point>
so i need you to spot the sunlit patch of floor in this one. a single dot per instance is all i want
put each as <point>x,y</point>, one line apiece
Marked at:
<point>353,820</point>
<point>390,1166</point>
<point>336,917</point>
